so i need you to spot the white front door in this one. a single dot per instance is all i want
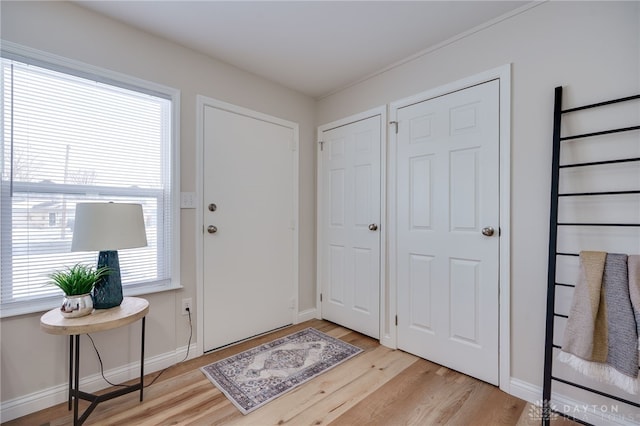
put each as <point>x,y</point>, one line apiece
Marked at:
<point>349,228</point>
<point>249,261</point>
<point>447,200</point>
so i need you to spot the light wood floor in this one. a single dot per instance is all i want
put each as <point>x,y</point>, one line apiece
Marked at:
<point>378,387</point>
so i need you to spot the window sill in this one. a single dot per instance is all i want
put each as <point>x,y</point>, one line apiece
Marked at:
<point>44,305</point>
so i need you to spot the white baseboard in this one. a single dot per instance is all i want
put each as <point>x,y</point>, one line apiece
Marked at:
<point>182,354</point>
<point>525,390</point>
<point>606,414</point>
<point>307,315</point>
<point>57,394</point>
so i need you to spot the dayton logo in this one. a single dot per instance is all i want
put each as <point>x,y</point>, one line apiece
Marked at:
<point>538,411</point>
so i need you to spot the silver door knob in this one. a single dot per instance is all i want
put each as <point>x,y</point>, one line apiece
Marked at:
<point>212,229</point>
<point>373,227</point>
<point>213,207</point>
<point>487,231</point>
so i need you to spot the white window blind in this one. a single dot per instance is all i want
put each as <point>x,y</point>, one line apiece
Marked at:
<point>67,139</point>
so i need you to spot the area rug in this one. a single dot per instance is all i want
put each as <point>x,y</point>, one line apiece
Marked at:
<point>256,376</point>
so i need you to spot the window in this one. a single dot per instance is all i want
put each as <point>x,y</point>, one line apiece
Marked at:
<point>70,136</point>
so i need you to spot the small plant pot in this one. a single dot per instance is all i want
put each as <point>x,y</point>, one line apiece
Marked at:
<point>76,306</point>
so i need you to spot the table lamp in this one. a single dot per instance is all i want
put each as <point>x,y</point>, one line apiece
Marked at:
<point>108,227</point>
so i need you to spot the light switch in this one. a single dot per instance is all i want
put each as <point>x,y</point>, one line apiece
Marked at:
<point>187,200</point>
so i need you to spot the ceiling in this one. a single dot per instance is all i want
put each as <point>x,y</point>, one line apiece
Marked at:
<point>314,47</point>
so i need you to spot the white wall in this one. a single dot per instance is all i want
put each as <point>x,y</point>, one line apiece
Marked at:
<point>32,360</point>
<point>590,48</point>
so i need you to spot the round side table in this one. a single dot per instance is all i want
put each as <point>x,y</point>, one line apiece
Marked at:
<point>131,310</point>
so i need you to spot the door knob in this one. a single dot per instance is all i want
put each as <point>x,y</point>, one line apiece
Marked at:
<point>212,229</point>
<point>213,207</point>
<point>373,227</point>
<point>487,231</point>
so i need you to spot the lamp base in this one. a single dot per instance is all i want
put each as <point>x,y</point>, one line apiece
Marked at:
<point>107,293</point>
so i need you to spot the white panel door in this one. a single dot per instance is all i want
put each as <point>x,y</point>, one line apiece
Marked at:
<point>447,193</point>
<point>350,225</point>
<point>249,261</point>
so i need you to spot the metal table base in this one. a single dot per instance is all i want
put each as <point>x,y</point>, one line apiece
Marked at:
<point>75,394</point>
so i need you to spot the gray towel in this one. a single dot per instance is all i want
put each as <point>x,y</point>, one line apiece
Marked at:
<point>622,353</point>
<point>619,302</point>
<point>634,288</point>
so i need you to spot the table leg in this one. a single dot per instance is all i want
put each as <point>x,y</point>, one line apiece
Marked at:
<point>76,381</point>
<point>70,370</point>
<point>142,359</point>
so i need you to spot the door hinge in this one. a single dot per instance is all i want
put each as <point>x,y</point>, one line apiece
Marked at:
<point>396,123</point>
<point>321,297</point>
<point>396,320</point>
<point>321,145</point>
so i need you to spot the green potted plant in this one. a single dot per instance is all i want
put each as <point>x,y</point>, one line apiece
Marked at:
<point>77,282</point>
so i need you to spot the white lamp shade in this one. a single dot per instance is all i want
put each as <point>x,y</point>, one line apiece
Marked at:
<point>108,226</point>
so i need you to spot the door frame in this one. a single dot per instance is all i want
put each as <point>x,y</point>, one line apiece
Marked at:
<point>201,103</point>
<point>382,112</point>
<point>503,75</point>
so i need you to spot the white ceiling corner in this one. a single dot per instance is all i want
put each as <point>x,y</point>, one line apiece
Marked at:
<point>314,47</point>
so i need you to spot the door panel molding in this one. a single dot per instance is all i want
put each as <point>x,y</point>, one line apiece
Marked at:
<point>422,129</point>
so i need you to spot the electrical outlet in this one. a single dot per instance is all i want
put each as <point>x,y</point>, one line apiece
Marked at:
<point>186,303</point>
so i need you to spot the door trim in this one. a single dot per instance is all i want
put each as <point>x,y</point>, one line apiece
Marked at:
<point>382,112</point>
<point>201,103</point>
<point>503,74</point>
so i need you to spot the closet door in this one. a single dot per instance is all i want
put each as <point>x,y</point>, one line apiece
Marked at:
<point>349,226</point>
<point>447,193</point>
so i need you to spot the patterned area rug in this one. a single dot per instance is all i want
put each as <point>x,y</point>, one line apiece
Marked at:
<point>254,377</point>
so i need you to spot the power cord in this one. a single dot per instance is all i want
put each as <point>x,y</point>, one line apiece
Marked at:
<point>101,365</point>
<point>185,357</point>
<point>162,371</point>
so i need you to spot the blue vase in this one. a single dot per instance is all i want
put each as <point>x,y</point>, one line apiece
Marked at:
<point>107,293</point>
